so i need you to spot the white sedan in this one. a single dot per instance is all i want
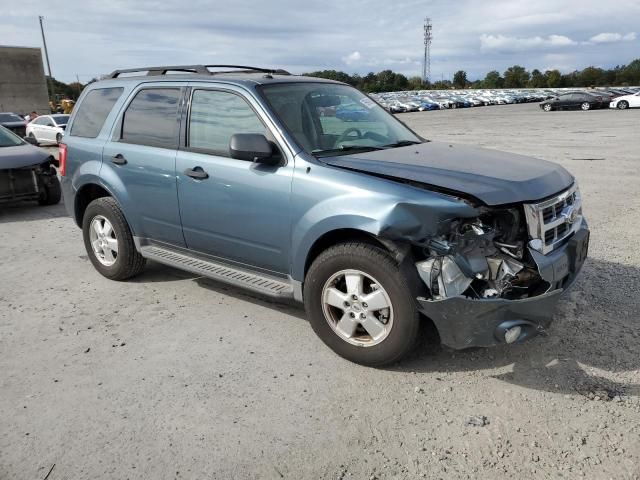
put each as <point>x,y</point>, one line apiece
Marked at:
<point>626,101</point>
<point>48,129</point>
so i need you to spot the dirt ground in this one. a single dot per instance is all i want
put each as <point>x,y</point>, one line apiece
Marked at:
<point>174,376</point>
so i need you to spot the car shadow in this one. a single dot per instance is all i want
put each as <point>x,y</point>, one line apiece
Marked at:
<point>592,345</point>
<point>28,211</point>
<point>591,348</point>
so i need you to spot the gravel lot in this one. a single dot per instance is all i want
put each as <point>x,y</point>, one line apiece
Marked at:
<point>174,376</point>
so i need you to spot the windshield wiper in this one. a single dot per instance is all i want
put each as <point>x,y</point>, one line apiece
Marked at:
<point>402,143</point>
<point>345,148</point>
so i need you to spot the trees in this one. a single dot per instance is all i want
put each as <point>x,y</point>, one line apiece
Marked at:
<point>516,77</point>
<point>460,79</point>
<point>553,78</point>
<point>537,79</point>
<point>493,80</point>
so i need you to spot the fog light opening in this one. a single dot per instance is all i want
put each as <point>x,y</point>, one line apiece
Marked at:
<point>512,334</point>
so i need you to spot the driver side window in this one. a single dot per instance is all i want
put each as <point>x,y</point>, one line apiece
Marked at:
<point>216,116</point>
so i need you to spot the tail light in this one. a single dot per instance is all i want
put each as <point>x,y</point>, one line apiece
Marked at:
<point>62,159</point>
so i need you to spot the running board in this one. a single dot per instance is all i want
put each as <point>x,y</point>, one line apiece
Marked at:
<point>263,284</point>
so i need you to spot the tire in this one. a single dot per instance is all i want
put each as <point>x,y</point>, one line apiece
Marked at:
<point>585,106</point>
<point>51,192</point>
<point>383,277</point>
<point>623,105</point>
<point>547,107</point>
<point>58,138</point>
<point>127,261</point>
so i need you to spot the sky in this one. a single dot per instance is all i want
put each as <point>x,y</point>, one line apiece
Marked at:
<point>90,38</point>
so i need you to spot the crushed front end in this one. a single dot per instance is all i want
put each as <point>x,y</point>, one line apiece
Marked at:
<point>497,278</point>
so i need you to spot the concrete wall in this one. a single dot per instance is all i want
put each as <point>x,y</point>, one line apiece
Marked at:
<point>23,86</point>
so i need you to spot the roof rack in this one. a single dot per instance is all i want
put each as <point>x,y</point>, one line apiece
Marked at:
<point>201,69</point>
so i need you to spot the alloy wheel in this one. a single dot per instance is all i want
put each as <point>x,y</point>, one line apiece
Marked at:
<point>103,240</point>
<point>357,308</point>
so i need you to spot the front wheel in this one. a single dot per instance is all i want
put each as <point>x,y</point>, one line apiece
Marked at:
<point>109,242</point>
<point>623,105</point>
<point>547,108</point>
<point>58,138</point>
<point>360,304</point>
<point>51,192</point>
<point>585,106</point>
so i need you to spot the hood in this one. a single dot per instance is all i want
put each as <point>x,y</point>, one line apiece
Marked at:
<point>22,156</point>
<point>491,176</point>
<point>14,124</point>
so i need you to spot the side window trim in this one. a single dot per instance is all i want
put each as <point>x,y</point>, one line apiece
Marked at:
<point>116,135</point>
<point>184,145</point>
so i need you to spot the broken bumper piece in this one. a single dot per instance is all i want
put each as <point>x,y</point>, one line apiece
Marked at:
<point>464,322</point>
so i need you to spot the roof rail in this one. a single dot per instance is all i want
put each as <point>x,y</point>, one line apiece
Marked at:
<point>201,69</point>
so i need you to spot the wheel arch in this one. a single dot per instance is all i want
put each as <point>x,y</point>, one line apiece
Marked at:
<point>84,196</point>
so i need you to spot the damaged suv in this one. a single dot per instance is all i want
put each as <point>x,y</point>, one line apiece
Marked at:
<point>248,176</point>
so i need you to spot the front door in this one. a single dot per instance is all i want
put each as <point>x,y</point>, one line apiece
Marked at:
<point>237,210</point>
<point>139,162</point>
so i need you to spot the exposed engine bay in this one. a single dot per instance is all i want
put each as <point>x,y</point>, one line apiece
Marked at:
<point>482,258</point>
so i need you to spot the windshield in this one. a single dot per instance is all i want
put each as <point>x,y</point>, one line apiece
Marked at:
<point>60,119</point>
<point>10,117</point>
<point>332,119</point>
<point>8,139</point>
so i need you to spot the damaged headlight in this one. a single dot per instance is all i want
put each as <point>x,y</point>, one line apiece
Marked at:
<point>482,258</point>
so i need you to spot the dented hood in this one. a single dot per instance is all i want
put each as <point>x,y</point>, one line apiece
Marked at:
<point>22,156</point>
<point>491,176</point>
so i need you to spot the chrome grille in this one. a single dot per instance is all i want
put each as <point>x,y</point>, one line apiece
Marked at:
<point>552,221</point>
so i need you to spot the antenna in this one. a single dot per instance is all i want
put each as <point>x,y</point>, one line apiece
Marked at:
<point>426,63</point>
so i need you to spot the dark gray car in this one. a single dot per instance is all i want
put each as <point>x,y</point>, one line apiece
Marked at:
<point>26,172</point>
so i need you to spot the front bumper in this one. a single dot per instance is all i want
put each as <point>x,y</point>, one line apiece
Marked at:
<point>465,322</point>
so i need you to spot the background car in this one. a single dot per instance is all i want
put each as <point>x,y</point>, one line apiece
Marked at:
<point>351,113</point>
<point>13,122</point>
<point>48,129</point>
<point>26,172</point>
<point>626,101</point>
<point>571,100</point>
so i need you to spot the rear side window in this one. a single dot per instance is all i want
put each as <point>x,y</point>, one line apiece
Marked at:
<point>152,118</point>
<point>215,116</point>
<point>93,111</point>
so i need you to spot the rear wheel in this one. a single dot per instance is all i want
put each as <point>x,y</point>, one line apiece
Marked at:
<point>109,242</point>
<point>360,304</point>
<point>623,105</point>
<point>585,106</point>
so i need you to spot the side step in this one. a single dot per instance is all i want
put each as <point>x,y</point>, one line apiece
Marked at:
<point>260,283</point>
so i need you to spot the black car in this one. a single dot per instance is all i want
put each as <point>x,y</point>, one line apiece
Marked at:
<point>13,122</point>
<point>573,100</point>
<point>26,172</point>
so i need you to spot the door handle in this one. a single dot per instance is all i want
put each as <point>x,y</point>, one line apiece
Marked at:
<point>196,172</point>
<point>119,159</point>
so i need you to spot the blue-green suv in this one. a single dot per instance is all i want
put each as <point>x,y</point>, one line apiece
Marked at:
<point>248,176</point>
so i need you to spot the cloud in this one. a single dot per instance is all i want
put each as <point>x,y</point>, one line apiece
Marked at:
<point>613,37</point>
<point>504,43</point>
<point>352,58</point>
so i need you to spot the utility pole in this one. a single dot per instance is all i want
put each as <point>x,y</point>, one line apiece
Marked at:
<point>46,56</point>
<point>426,61</point>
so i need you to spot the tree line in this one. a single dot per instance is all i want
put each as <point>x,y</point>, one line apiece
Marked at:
<point>513,77</point>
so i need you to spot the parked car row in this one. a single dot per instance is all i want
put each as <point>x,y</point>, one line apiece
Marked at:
<point>551,99</point>
<point>44,129</point>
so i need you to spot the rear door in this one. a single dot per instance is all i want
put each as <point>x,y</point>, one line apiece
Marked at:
<point>140,157</point>
<point>240,211</point>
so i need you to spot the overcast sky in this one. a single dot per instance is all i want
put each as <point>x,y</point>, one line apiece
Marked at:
<point>90,38</point>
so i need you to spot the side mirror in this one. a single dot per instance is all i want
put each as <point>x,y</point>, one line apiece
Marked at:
<point>32,140</point>
<point>253,147</point>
